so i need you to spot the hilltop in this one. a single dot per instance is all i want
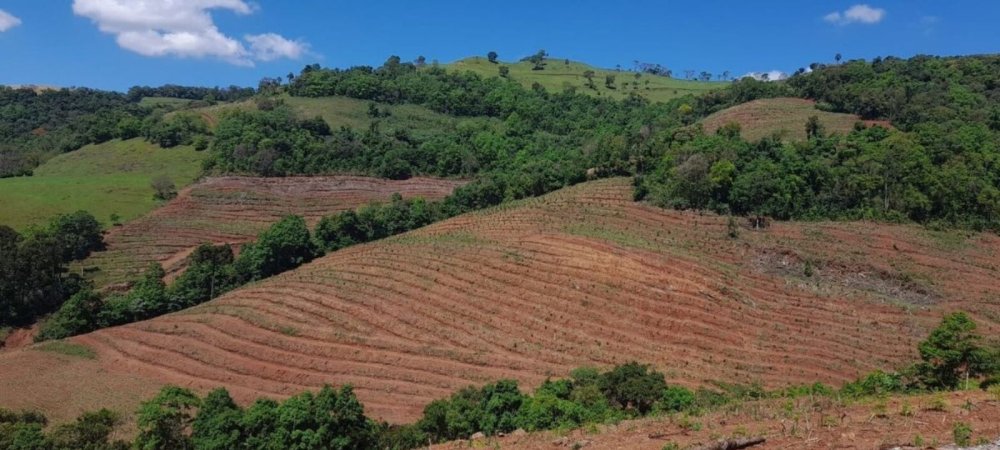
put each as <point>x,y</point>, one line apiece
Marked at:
<point>562,73</point>
<point>583,276</point>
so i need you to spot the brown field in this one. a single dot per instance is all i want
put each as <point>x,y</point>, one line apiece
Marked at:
<point>234,210</point>
<point>533,289</point>
<point>819,423</point>
<point>785,116</point>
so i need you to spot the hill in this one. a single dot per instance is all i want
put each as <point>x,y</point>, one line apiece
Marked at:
<point>784,116</point>
<point>906,422</point>
<point>558,75</point>
<point>532,289</point>
<point>234,210</point>
<point>109,178</point>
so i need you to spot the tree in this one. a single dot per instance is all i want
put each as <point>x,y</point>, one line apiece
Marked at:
<point>951,353</point>
<point>814,129</point>
<point>91,431</point>
<point>837,57</point>
<point>609,81</point>
<point>78,234</point>
<point>589,75</point>
<point>218,423</point>
<point>492,57</point>
<point>633,385</point>
<point>285,245</point>
<point>420,62</point>
<point>538,60</point>
<point>163,421</point>
<point>504,71</point>
<point>163,188</point>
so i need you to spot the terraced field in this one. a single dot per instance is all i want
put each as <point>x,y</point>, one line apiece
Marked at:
<point>784,116</point>
<point>533,289</point>
<point>234,210</point>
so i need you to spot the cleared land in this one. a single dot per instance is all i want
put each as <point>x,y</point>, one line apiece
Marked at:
<point>784,116</point>
<point>583,276</point>
<point>103,179</point>
<point>559,75</point>
<point>907,422</point>
<point>234,210</point>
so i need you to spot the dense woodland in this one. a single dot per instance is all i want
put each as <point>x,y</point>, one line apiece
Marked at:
<point>953,356</point>
<point>939,164</point>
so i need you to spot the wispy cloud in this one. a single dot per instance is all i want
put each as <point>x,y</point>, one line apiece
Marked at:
<point>8,21</point>
<point>861,13</point>
<point>184,28</point>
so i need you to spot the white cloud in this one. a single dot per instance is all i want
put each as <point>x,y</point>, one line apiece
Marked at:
<point>774,75</point>
<point>183,28</point>
<point>7,21</point>
<point>862,13</point>
<point>270,46</point>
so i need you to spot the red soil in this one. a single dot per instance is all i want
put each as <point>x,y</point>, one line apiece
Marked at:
<point>234,210</point>
<point>797,424</point>
<point>583,276</point>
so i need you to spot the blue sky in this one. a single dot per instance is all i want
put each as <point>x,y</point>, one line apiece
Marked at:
<point>114,44</point>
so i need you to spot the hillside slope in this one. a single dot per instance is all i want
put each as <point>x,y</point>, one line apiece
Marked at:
<point>558,75</point>
<point>234,210</point>
<point>784,116</point>
<point>583,276</point>
<point>109,178</point>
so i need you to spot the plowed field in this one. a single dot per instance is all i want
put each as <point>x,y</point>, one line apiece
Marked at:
<point>234,210</point>
<point>583,276</point>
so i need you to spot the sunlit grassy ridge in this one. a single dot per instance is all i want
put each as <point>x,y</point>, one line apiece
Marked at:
<point>562,73</point>
<point>104,179</point>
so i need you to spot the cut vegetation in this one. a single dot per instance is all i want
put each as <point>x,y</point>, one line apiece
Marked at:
<point>785,117</point>
<point>234,210</point>
<point>528,290</point>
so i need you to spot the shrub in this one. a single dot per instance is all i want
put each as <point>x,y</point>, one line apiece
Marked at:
<point>676,399</point>
<point>163,188</point>
<point>632,386</point>
<point>962,433</point>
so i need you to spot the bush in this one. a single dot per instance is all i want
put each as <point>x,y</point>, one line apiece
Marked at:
<point>675,399</point>
<point>632,386</point>
<point>285,245</point>
<point>163,188</point>
<point>875,383</point>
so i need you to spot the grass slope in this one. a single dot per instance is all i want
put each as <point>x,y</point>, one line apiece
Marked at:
<point>535,288</point>
<point>558,75</point>
<point>785,116</point>
<point>113,177</point>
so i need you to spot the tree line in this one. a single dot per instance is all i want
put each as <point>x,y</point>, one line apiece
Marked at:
<point>34,280</point>
<point>938,165</point>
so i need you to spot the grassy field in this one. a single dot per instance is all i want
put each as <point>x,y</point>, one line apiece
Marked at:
<point>558,75</point>
<point>104,179</point>
<point>784,116</point>
<point>168,102</point>
<point>343,111</point>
